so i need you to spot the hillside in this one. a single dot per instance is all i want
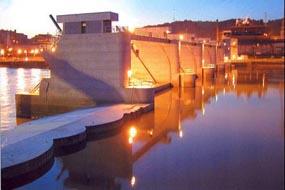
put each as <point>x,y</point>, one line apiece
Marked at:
<point>207,29</point>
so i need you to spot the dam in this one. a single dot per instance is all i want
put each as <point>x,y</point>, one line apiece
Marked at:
<point>94,63</point>
<point>109,76</point>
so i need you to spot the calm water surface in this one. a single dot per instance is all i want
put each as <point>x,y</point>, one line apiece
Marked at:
<point>14,81</point>
<point>223,135</point>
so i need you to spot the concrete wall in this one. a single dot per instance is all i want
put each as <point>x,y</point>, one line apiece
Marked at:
<point>90,69</point>
<point>190,56</point>
<point>94,69</point>
<point>166,60</point>
<point>159,58</point>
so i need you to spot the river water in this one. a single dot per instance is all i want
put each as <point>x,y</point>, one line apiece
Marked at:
<point>14,81</point>
<point>225,134</point>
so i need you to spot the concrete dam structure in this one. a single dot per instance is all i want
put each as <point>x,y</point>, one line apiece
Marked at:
<point>95,63</point>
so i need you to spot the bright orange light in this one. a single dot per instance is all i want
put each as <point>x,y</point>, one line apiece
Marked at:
<point>133,132</point>
<point>129,73</point>
<point>36,51</point>
<point>53,49</point>
<point>130,140</point>
<point>19,51</point>
<point>2,52</point>
<point>181,37</point>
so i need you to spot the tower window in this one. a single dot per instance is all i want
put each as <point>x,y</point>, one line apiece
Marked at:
<point>83,27</point>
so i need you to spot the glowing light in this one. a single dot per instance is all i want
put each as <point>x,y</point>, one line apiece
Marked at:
<point>131,29</point>
<point>133,132</point>
<point>263,80</point>
<point>19,51</point>
<point>240,57</point>
<point>181,37</point>
<point>131,140</point>
<point>226,58</point>
<point>133,181</point>
<point>181,134</point>
<point>150,132</point>
<point>203,90</point>
<point>2,52</point>
<point>53,49</point>
<point>129,73</point>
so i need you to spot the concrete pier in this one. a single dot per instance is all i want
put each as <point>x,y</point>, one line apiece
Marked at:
<point>33,145</point>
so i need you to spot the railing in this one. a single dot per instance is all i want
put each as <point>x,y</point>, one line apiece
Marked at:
<point>36,89</point>
<point>148,71</point>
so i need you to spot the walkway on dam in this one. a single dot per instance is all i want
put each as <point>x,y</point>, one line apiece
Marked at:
<point>29,143</point>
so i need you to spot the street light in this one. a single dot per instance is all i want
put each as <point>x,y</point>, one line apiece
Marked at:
<point>2,52</point>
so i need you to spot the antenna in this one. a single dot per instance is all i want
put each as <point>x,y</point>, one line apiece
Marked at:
<point>265,18</point>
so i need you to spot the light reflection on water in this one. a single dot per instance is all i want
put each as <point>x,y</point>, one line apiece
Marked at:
<point>228,135</point>
<point>14,81</point>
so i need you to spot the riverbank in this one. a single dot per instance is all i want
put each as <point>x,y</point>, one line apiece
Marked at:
<point>33,145</point>
<point>270,61</point>
<point>31,62</point>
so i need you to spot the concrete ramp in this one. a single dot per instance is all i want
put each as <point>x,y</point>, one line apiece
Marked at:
<point>33,145</point>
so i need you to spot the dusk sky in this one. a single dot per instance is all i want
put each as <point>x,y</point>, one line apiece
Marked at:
<point>31,17</point>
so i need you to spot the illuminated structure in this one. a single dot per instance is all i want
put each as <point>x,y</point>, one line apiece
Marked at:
<point>252,40</point>
<point>94,63</point>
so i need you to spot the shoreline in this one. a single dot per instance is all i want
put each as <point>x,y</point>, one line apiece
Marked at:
<point>34,62</point>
